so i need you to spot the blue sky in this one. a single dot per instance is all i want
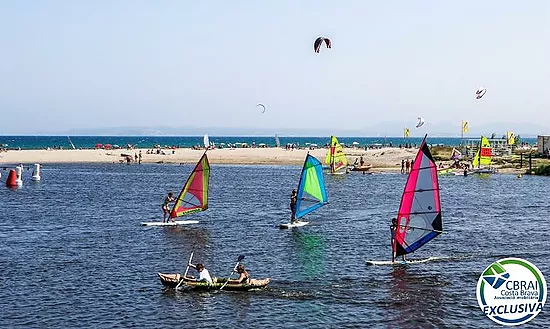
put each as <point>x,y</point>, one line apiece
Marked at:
<point>95,64</point>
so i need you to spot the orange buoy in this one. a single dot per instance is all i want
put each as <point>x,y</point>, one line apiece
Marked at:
<point>12,178</point>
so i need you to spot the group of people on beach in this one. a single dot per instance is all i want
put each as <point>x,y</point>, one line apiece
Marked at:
<point>406,166</point>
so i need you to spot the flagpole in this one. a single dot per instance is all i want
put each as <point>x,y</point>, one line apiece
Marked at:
<point>462,133</point>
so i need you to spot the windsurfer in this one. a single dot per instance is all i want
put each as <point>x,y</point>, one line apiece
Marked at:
<point>293,200</point>
<point>393,228</point>
<point>165,208</point>
<point>204,275</point>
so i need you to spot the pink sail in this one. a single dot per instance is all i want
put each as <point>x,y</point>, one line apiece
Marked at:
<point>419,217</point>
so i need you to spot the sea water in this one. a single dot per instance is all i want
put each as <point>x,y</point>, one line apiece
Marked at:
<point>73,253</point>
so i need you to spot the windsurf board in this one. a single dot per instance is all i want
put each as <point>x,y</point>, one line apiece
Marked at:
<point>295,224</point>
<point>175,223</point>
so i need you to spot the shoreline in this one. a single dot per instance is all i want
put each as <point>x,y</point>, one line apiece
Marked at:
<point>387,159</point>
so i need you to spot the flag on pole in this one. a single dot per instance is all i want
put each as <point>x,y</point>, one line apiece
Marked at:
<point>464,126</point>
<point>406,132</point>
<point>510,137</point>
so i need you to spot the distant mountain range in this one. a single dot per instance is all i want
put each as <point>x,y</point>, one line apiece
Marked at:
<point>390,129</point>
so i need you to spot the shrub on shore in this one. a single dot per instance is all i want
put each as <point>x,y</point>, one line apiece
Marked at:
<point>543,170</point>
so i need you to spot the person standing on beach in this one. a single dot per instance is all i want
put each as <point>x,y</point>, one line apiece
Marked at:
<point>412,162</point>
<point>165,207</point>
<point>407,165</point>
<point>402,166</point>
<point>139,157</point>
<point>293,200</point>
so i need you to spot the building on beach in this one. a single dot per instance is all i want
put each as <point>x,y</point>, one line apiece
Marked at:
<point>543,144</point>
<point>499,146</point>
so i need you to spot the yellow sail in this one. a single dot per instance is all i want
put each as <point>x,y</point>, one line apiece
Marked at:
<point>335,156</point>
<point>484,154</point>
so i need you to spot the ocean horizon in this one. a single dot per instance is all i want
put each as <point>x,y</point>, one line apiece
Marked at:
<point>30,142</point>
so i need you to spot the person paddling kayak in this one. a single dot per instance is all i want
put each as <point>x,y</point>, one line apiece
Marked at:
<point>204,275</point>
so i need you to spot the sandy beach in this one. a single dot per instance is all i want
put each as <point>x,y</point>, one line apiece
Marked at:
<point>383,159</point>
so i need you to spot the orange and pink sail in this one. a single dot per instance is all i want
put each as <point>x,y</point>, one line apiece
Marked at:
<point>194,194</point>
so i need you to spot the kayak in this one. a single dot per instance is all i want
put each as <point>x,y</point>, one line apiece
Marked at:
<point>172,281</point>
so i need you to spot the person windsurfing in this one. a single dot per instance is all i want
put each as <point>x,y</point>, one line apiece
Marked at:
<point>293,200</point>
<point>165,207</point>
<point>393,228</point>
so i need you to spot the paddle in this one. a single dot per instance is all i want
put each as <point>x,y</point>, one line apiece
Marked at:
<point>239,259</point>
<point>186,270</point>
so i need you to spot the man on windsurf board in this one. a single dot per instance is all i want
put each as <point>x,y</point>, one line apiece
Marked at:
<point>165,207</point>
<point>293,200</point>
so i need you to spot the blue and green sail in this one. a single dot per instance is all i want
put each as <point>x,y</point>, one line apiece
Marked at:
<point>311,189</point>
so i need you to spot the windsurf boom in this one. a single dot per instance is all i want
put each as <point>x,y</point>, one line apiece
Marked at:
<point>419,216</point>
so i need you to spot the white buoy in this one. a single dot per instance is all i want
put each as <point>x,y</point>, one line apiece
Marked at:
<point>18,180</point>
<point>36,173</point>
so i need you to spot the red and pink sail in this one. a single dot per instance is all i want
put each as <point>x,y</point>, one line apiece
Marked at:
<point>419,217</point>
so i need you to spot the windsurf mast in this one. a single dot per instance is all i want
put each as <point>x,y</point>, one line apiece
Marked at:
<point>419,216</point>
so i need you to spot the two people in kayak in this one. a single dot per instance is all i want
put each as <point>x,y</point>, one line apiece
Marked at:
<point>204,274</point>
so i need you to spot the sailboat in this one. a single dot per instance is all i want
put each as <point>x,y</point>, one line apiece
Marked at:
<point>193,196</point>
<point>336,158</point>
<point>206,141</point>
<point>419,216</point>
<point>483,158</point>
<point>312,194</point>
<point>71,142</point>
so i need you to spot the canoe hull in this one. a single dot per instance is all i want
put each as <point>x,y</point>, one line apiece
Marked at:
<point>172,281</point>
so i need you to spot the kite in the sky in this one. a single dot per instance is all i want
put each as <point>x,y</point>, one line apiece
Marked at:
<point>319,41</point>
<point>263,106</point>
<point>480,92</point>
<point>420,122</point>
